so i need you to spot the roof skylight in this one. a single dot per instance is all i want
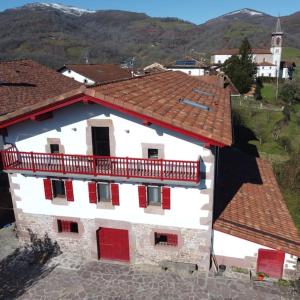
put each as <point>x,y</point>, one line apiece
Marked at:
<point>198,91</point>
<point>194,104</point>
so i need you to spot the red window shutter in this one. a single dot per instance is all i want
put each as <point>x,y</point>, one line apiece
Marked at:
<point>69,190</point>
<point>92,192</point>
<point>115,194</point>
<point>65,226</point>
<point>166,197</point>
<point>142,196</point>
<point>172,239</point>
<point>48,189</point>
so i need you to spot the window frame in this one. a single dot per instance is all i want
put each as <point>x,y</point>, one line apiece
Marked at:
<point>152,203</point>
<point>150,155</point>
<point>51,148</point>
<point>67,226</point>
<point>99,199</point>
<point>169,239</point>
<point>54,191</point>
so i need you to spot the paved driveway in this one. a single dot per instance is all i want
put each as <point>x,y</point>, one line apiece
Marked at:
<point>95,280</point>
<point>64,277</point>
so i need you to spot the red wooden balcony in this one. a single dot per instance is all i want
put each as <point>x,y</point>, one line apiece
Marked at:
<point>159,169</point>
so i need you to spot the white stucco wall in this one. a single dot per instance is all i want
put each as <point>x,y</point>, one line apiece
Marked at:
<point>78,77</point>
<point>191,71</point>
<point>69,125</point>
<point>190,206</point>
<point>225,245</point>
<point>285,73</point>
<point>219,59</point>
<point>266,71</point>
<point>186,204</point>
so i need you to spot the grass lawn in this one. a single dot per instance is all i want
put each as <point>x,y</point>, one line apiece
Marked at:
<point>293,204</point>
<point>268,92</point>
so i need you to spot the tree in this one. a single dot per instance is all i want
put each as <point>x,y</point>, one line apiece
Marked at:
<point>240,68</point>
<point>258,87</point>
<point>290,92</point>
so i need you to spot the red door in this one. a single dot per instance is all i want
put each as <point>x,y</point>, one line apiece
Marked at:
<point>270,262</point>
<point>113,244</point>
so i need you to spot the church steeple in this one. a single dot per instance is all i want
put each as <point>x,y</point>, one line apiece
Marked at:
<point>276,45</point>
<point>278,29</point>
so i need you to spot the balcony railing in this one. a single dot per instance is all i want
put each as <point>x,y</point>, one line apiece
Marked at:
<point>159,169</point>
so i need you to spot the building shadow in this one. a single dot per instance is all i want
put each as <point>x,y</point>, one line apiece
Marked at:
<point>242,137</point>
<point>25,266</point>
<point>236,168</point>
<point>6,208</point>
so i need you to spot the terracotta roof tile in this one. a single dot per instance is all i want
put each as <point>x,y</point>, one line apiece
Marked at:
<point>100,72</point>
<point>235,51</point>
<point>249,203</point>
<point>158,96</point>
<point>25,82</point>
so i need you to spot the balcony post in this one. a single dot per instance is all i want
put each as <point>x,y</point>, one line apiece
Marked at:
<point>63,163</point>
<point>94,166</point>
<point>127,168</point>
<point>32,161</point>
<point>161,170</point>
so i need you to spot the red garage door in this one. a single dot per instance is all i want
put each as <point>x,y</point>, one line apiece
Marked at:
<point>113,244</point>
<point>270,262</point>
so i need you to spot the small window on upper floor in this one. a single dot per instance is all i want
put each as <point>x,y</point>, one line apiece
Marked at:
<point>54,148</point>
<point>58,188</point>
<point>103,192</point>
<point>85,81</point>
<point>152,153</point>
<point>154,195</point>
<point>270,74</point>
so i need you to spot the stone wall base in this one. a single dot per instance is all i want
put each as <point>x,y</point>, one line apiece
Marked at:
<point>249,263</point>
<point>193,244</point>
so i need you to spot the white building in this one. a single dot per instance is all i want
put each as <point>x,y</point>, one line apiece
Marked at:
<point>90,74</point>
<point>268,61</point>
<point>126,171</point>
<point>189,66</point>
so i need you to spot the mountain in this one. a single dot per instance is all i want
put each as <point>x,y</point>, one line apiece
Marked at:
<point>56,34</point>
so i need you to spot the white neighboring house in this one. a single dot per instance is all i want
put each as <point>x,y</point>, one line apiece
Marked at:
<point>110,184</point>
<point>189,66</point>
<point>268,61</point>
<point>90,74</point>
<point>266,69</point>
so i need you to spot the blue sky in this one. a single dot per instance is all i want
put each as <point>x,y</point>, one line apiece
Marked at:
<point>196,11</point>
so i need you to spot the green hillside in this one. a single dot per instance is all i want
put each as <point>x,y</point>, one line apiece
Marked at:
<point>269,134</point>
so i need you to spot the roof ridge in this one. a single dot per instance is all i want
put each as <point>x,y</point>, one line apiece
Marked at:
<point>125,79</point>
<point>17,59</point>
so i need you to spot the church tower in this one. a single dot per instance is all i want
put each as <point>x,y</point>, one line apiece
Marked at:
<point>276,45</point>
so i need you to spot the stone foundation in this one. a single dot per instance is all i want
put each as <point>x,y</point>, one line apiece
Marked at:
<point>193,245</point>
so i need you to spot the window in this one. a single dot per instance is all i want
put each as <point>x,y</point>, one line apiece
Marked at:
<point>166,239</point>
<point>54,148</point>
<point>85,81</point>
<point>270,74</point>
<point>103,192</point>
<point>67,226</point>
<point>190,72</point>
<point>152,153</point>
<point>58,189</point>
<point>263,67</point>
<point>154,195</point>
